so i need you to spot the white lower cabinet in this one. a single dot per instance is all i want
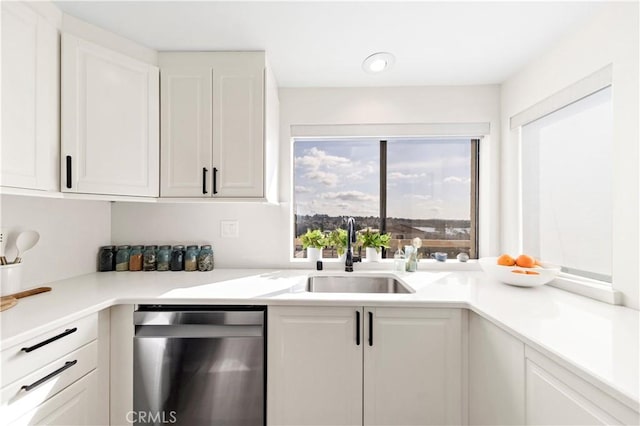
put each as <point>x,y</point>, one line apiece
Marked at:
<point>512,384</point>
<point>555,396</point>
<point>75,405</point>
<point>59,377</point>
<point>496,375</point>
<point>372,366</point>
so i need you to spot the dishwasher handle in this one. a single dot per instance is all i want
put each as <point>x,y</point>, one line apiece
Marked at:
<point>198,331</point>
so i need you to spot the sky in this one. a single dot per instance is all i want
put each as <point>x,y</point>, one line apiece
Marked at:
<point>426,178</point>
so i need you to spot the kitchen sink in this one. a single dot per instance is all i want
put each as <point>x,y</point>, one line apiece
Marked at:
<point>355,284</point>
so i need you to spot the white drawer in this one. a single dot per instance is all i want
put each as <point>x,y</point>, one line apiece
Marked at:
<point>32,390</point>
<point>30,355</point>
<point>75,405</point>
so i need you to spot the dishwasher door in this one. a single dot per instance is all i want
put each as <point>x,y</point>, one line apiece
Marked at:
<point>199,365</point>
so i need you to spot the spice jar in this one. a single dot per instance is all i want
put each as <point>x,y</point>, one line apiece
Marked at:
<point>163,258</point>
<point>205,258</point>
<point>191,258</point>
<point>105,259</point>
<point>177,258</point>
<point>135,258</point>
<point>122,258</point>
<point>150,258</point>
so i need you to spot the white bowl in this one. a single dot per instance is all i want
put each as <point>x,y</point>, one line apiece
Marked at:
<point>524,277</point>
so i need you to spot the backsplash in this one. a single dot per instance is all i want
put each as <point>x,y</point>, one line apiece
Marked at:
<point>70,233</point>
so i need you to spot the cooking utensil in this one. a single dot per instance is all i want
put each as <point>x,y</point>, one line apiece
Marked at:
<point>3,240</point>
<point>25,241</point>
<point>11,300</point>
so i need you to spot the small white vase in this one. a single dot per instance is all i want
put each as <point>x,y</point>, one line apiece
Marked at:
<point>314,254</point>
<point>343,257</point>
<point>372,254</point>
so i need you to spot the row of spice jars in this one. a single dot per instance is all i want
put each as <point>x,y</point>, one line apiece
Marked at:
<point>152,258</point>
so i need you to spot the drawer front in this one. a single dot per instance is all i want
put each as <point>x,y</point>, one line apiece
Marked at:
<point>32,390</point>
<point>74,406</point>
<point>30,355</point>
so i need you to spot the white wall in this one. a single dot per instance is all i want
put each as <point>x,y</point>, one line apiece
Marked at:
<point>610,37</point>
<point>71,232</point>
<point>265,230</point>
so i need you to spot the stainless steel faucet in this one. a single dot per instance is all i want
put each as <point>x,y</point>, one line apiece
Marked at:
<point>351,239</point>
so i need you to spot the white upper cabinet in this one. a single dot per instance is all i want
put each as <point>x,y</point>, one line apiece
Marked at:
<point>30,64</point>
<point>186,131</point>
<point>213,133</point>
<point>109,121</point>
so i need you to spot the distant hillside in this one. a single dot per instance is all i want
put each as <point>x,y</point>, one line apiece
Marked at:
<point>398,227</point>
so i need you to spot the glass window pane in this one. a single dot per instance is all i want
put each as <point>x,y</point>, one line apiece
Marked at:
<point>334,179</point>
<point>567,187</point>
<point>429,193</point>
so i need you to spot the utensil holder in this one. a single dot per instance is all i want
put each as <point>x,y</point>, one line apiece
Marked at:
<point>10,278</point>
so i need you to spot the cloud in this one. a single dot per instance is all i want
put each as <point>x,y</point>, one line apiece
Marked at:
<point>362,171</point>
<point>400,175</point>
<point>349,196</point>
<point>325,178</point>
<point>316,158</point>
<point>302,189</point>
<point>419,197</point>
<point>323,168</point>
<point>456,179</point>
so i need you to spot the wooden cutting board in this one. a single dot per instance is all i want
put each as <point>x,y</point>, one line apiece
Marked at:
<point>11,300</point>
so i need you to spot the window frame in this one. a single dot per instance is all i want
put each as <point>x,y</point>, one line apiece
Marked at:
<point>600,290</point>
<point>448,134</point>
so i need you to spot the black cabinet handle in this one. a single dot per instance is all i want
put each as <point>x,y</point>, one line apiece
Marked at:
<point>204,180</point>
<point>67,332</point>
<point>35,384</point>
<point>370,329</point>
<point>358,328</point>
<point>215,176</point>
<point>68,171</point>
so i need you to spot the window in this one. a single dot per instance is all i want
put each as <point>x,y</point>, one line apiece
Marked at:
<point>408,187</point>
<point>567,187</point>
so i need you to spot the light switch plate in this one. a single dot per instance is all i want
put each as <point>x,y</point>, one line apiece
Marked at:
<point>229,229</point>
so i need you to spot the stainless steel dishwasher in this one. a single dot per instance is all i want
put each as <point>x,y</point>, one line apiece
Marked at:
<point>199,365</point>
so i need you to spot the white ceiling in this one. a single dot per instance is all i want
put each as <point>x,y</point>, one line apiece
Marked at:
<point>323,44</point>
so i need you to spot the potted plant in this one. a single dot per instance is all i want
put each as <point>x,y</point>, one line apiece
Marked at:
<point>314,241</point>
<point>373,242</point>
<point>338,239</point>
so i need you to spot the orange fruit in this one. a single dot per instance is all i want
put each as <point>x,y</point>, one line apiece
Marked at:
<point>525,261</point>
<point>506,260</point>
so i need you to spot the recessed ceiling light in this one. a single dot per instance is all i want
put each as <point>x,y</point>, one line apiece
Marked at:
<point>378,62</point>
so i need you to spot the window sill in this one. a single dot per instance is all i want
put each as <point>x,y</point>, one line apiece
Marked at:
<point>587,288</point>
<point>387,265</point>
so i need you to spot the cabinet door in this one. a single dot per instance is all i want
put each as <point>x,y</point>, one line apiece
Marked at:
<point>314,366</point>
<point>238,124</point>
<point>185,131</point>
<point>75,405</point>
<point>412,367</point>
<point>496,375</point>
<point>557,396</point>
<point>109,121</point>
<point>30,63</point>
<point>552,402</point>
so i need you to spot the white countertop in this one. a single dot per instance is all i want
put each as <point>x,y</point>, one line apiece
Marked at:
<point>600,342</point>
